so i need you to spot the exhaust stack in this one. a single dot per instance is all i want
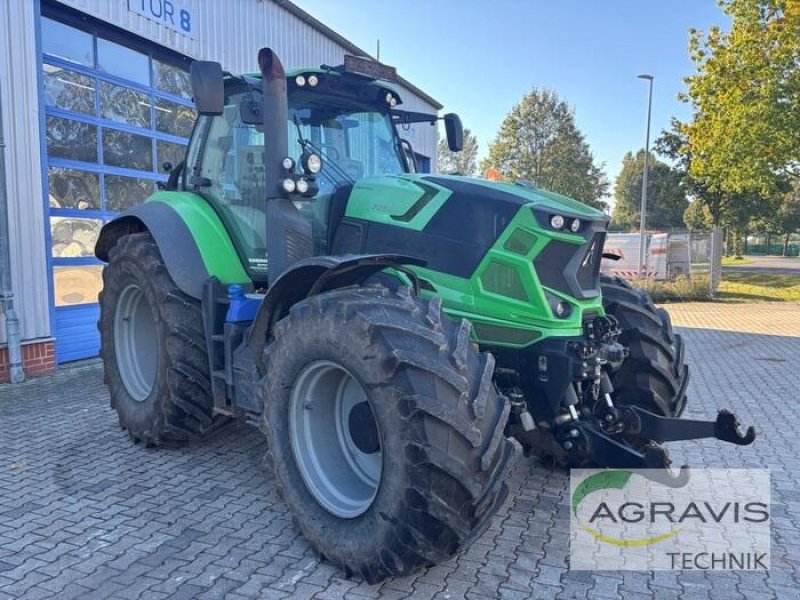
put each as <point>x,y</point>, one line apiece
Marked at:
<point>289,236</point>
<point>275,111</point>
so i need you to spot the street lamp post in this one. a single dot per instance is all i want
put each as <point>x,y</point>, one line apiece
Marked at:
<point>643,211</point>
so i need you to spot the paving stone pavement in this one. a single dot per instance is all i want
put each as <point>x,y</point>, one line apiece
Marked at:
<point>84,513</point>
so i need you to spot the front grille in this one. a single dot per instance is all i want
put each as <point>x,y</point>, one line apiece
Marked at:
<point>589,271</point>
<point>571,269</point>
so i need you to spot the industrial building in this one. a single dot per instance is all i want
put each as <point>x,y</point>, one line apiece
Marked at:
<point>95,99</point>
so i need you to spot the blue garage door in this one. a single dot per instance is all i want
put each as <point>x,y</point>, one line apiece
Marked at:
<point>115,111</point>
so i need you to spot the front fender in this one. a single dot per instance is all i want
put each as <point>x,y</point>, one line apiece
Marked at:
<point>316,275</point>
<point>190,236</point>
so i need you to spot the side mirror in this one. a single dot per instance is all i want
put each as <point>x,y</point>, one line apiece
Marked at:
<point>207,87</point>
<point>455,132</point>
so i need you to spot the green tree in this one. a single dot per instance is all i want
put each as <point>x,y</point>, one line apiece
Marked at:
<point>739,213</point>
<point>698,216</point>
<point>711,205</point>
<point>673,144</point>
<point>782,217</point>
<point>539,141</point>
<point>746,98</point>
<point>666,199</point>
<point>461,163</point>
<point>788,217</point>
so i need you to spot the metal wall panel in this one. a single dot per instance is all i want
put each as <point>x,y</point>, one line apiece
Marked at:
<point>19,68</point>
<point>232,31</point>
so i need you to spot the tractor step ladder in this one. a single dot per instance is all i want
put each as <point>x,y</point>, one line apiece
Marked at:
<point>215,308</point>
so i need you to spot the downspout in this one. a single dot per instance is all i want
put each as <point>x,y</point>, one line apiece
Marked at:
<point>15,371</point>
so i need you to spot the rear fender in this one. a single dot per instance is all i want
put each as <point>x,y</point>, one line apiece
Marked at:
<point>316,275</point>
<point>190,237</point>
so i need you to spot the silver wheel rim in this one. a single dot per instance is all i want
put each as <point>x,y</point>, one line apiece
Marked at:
<point>135,342</point>
<point>335,439</point>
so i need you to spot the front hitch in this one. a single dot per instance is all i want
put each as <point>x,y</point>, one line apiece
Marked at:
<point>608,451</point>
<point>644,424</point>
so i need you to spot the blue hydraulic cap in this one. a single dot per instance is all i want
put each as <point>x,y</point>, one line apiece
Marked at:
<point>242,307</point>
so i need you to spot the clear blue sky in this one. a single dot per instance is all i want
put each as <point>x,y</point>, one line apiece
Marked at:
<point>479,58</point>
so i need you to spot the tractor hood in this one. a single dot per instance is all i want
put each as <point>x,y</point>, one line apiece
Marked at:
<point>521,193</point>
<point>410,198</point>
<point>451,221</point>
<point>514,260</point>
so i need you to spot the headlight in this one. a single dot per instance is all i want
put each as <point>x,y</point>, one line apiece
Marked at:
<point>563,310</point>
<point>313,80</point>
<point>288,163</point>
<point>556,221</point>
<point>288,185</point>
<point>312,163</point>
<point>302,186</point>
<point>575,226</point>
<point>300,80</point>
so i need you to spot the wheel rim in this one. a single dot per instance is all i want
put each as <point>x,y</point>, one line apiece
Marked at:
<point>335,439</point>
<point>135,342</point>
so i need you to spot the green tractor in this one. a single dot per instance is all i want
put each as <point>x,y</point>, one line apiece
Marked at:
<point>396,336</point>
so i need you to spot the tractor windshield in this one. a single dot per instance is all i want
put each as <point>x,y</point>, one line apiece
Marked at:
<point>354,139</point>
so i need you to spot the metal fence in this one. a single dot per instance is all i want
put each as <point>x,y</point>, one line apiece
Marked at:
<point>764,243</point>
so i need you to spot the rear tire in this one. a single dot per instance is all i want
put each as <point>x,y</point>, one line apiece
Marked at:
<point>655,375</point>
<point>153,347</point>
<point>437,424</point>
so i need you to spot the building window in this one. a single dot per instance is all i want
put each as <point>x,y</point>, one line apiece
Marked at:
<point>71,140</point>
<point>74,237</point>
<point>124,105</point>
<point>70,188</point>
<point>174,118</point>
<point>113,114</point>
<point>122,62</point>
<point>77,284</point>
<point>171,79</point>
<point>67,43</point>
<point>67,89</point>
<point>127,150</point>
<point>123,193</point>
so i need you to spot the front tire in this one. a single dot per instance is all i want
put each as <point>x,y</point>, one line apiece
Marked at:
<point>430,458</point>
<point>153,347</point>
<point>655,375</point>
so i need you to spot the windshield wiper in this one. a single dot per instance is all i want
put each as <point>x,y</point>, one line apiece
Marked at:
<point>309,145</point>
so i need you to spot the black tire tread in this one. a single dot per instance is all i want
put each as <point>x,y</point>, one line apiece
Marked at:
<point>185,410</point>
<point>455,487</point>
<point>655,375</point>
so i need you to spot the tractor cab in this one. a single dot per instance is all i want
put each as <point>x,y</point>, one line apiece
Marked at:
<point>340,128</point>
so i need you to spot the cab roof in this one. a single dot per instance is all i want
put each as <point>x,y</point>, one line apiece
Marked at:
<point>291,75</point>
